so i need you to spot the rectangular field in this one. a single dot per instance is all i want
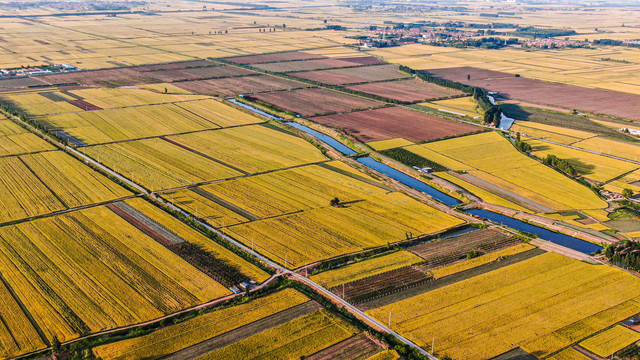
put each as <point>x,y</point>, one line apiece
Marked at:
<point>174,338</point>
<point>498,161</point>
<point>15,140</point>
<point>608,342</point>
<point>274,57</point>
<point>411,90</point>
<point>366,268</point>
<point>90,270</point>
<point>541,304</point>
<point>42,183</point>
<point>305,65</point>
<point>309,102</point>
<point>394,122</point>
<point>241,85</point>
<point>95,127</point>
<point>209,72</point>
<point>613,103</point>
<point>159,164</point>
<point>358,75</point>
<point>592,166</point>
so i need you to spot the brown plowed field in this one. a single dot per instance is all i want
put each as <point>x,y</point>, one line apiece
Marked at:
<point>410,90</point>
<point>210,72</point>
<point>395,122</point>
<point>358,347</point>
<point>305,65</point>
<point>442,252</point>
<point>599,101</point>
<point>241,85</point>
<point>308,102</point>
<point>382,284</point>
<point>354,75</point>
<point>175,66</point>
<point>108,78</point>
<point>84,105</point>
<point>265,58</point>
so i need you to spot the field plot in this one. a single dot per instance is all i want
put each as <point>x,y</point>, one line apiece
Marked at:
<point>541,304</point>
<point>438,253</point>
<point>106,98</point>
<point>95,127</point>
<point>159,164</point>
<point>389,144</point>
<point>274,57</point>
<point>569,354</point>
<point>395,122</point>
<point>219,113</point>
<point>209,72</point>
<point>499,163</point>
<point>15,140</point>
<point>362,74</point>
<point>91,270</point>
<point>608,342</point>
<point>483,194</point>
<point>596,167</point>
<point>358,347</point>
<point>252,148</point>
<point>307,65</point>
<point>45,182</point>
<point>108,78</point>
<point>406,90</point>
<point>223,255</point>
<point>309,102</point>
<point>622,149</point>
<point>40,103</point>
<point>171,339</point>
<point>613,103</point>
<point>241,85</point>
<point>463,105</point>
<point>17,334</point>
<point>370,216</point>
<point>365,269</point>
<point>300,337</point>
<point>550,132</point>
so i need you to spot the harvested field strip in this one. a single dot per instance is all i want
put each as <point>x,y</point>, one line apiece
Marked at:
<point>305,65</point>
<point>359,347</point>
<point>279,56</point>
<point>497,255</point>
<point>16,141</point>
<point>445,251</point>
<point>608,342</point>
<point>526,129</point>
<point>366,268</point>
<point>300,337</point>
<point>107,98</point>
<point>395,122</point>
<point>145,224</point>
<point>411,90</point>
<point>242,85</point>
<point>362,74</point>
<point>383,284</point>
<point>309,102</point>
<point>389,144</point>
<point>209,72</point>
<point>176,337</point>
<point>244,331</point>
<point>448,280</point>
<point>510,306</point>
<point>90,270</point>
<point>569,354</point>
<point>223,256</point>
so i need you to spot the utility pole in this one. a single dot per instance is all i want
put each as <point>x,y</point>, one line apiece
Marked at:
<point>433,344</point>
<point>389,319</point>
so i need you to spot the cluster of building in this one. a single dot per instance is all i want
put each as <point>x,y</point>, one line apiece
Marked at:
<point>37,70</point>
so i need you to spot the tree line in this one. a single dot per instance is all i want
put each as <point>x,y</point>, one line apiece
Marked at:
<point>626,255</point>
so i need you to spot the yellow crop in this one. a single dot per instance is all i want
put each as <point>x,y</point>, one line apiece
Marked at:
<point>388,144</point>
<point>480,260</point>
<point>300,337</point>
<point>176,337</point>
<point>610,341</point>
<point>524,304</point>
<point>363,269</point>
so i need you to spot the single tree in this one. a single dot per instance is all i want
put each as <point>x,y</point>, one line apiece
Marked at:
<point>334,202</point>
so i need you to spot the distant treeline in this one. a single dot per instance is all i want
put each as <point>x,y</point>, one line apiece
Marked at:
<point>627,254</point>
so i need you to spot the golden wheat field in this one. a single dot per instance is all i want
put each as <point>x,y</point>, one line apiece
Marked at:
<point>542,304</point>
